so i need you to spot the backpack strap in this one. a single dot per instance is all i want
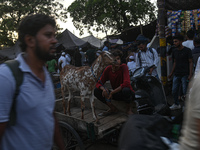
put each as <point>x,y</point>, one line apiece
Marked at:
<point>139,56</point>
<point>151,50</point>
<point>18,75</point>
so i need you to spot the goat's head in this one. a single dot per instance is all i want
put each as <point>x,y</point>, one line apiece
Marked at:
<point>108,58</point>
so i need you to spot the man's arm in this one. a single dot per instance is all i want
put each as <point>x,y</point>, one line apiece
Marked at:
<point>57,136</point>
<point>173,68</point>
<point>2,129</point>
<point>197,69</point>
<point>100,83</point>
<point>198,129</point>
<point>114,91</point>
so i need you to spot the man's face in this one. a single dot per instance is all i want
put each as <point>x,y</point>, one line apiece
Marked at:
<point>142,47</point>
<point>118,63</point>
<point>45,43</point>
<point>177,43</point>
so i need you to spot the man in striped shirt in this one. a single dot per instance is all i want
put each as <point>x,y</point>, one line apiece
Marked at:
<point>146,56</point>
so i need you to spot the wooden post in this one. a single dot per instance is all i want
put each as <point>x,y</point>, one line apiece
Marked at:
<point>162,39</point>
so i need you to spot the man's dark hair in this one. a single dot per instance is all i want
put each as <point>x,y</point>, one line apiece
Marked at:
<point>117,52</point>
<point>178,37</point>
<point>31,24</point>
<point>141,39</point>
<point>190,34</point>
<point>197,40</point>
<point>106,42</point>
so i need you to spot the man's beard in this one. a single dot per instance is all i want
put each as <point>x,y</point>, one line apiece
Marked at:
<point>179,45</point>
<point>43,55</point>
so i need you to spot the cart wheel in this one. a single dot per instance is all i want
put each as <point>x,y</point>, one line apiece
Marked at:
<point>71,138</point>
<point>113,138</point>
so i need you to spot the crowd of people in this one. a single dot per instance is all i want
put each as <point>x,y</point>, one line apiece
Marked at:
<point>36,126</point>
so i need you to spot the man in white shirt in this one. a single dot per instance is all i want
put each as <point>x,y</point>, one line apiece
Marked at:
<point>131,64</point>
<point>146,56</point>
<point>68,59</point>
<point>190,132</point>
<point>83,58</point>
<point>62,61</point>
<point>189,42</point>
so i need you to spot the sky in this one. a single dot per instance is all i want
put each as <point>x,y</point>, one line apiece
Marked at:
<point>69,24</point>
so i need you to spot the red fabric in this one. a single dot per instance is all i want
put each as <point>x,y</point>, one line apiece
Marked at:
<point>119,78</point>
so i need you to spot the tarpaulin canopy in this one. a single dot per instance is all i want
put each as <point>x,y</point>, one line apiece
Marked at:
<point>131,34</point>
<point>12,52</point>
<point>93,41</point>
<point>182,4</point>
<point>113,41</point>
<point>70,41</point>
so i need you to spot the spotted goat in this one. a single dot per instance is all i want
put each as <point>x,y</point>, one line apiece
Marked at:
<point>83,79</point>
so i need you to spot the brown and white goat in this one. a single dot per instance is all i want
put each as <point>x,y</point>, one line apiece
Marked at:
<point>84,79</point>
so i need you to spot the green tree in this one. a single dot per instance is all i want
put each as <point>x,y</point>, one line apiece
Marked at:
<point>12,11</point>
<point>116,15</point>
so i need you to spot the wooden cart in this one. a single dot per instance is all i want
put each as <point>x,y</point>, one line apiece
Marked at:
<point>79,132</point>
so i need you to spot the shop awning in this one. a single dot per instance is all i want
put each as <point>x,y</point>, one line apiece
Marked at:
<point>182,4</point>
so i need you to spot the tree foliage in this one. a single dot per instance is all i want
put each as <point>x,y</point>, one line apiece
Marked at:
<point>12,11</point>
<point>117,15</point>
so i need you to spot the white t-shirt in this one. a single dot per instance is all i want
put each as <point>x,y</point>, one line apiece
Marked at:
<point>63,59</point>
<point>188,44</point>
<point>197,69</point>
<point>131,66</point>
<point>68,59</point>
<point>189,139</point>
<point>34,128</point>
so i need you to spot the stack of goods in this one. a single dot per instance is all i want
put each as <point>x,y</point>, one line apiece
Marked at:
<point>182,21</point>
<point>168,31</point>
<point>174,21</point>
<point>196,13</point>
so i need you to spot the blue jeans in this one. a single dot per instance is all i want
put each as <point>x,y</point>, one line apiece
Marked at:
<point>177,80</point>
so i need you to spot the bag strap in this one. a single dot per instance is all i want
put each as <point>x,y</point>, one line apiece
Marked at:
<point>139,56</point>
<point>151,50</point>
<point>18,75</point>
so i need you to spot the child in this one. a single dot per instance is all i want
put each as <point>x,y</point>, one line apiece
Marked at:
<point>131,65</point>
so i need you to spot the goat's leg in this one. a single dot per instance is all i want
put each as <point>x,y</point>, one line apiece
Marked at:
<point>93,107</point>
<point>63,97</point>
<point>69,101</point>
<point>82,106</point>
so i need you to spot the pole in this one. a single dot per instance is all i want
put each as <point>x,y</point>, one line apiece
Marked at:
<point>141,30</point>
<point>162,39</point>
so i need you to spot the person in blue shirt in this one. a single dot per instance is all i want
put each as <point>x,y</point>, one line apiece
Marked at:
<point>106,46</point>
<point>36,127</point>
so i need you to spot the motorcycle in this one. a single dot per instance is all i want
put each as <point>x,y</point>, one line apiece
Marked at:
<point>149,93</point>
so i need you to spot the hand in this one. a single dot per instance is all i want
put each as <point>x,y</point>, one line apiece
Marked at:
<point>110,95</point>
<point>151,70</point>
<point>105,93</point>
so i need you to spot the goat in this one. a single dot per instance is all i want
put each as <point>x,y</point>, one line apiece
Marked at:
<point>84,79</point>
